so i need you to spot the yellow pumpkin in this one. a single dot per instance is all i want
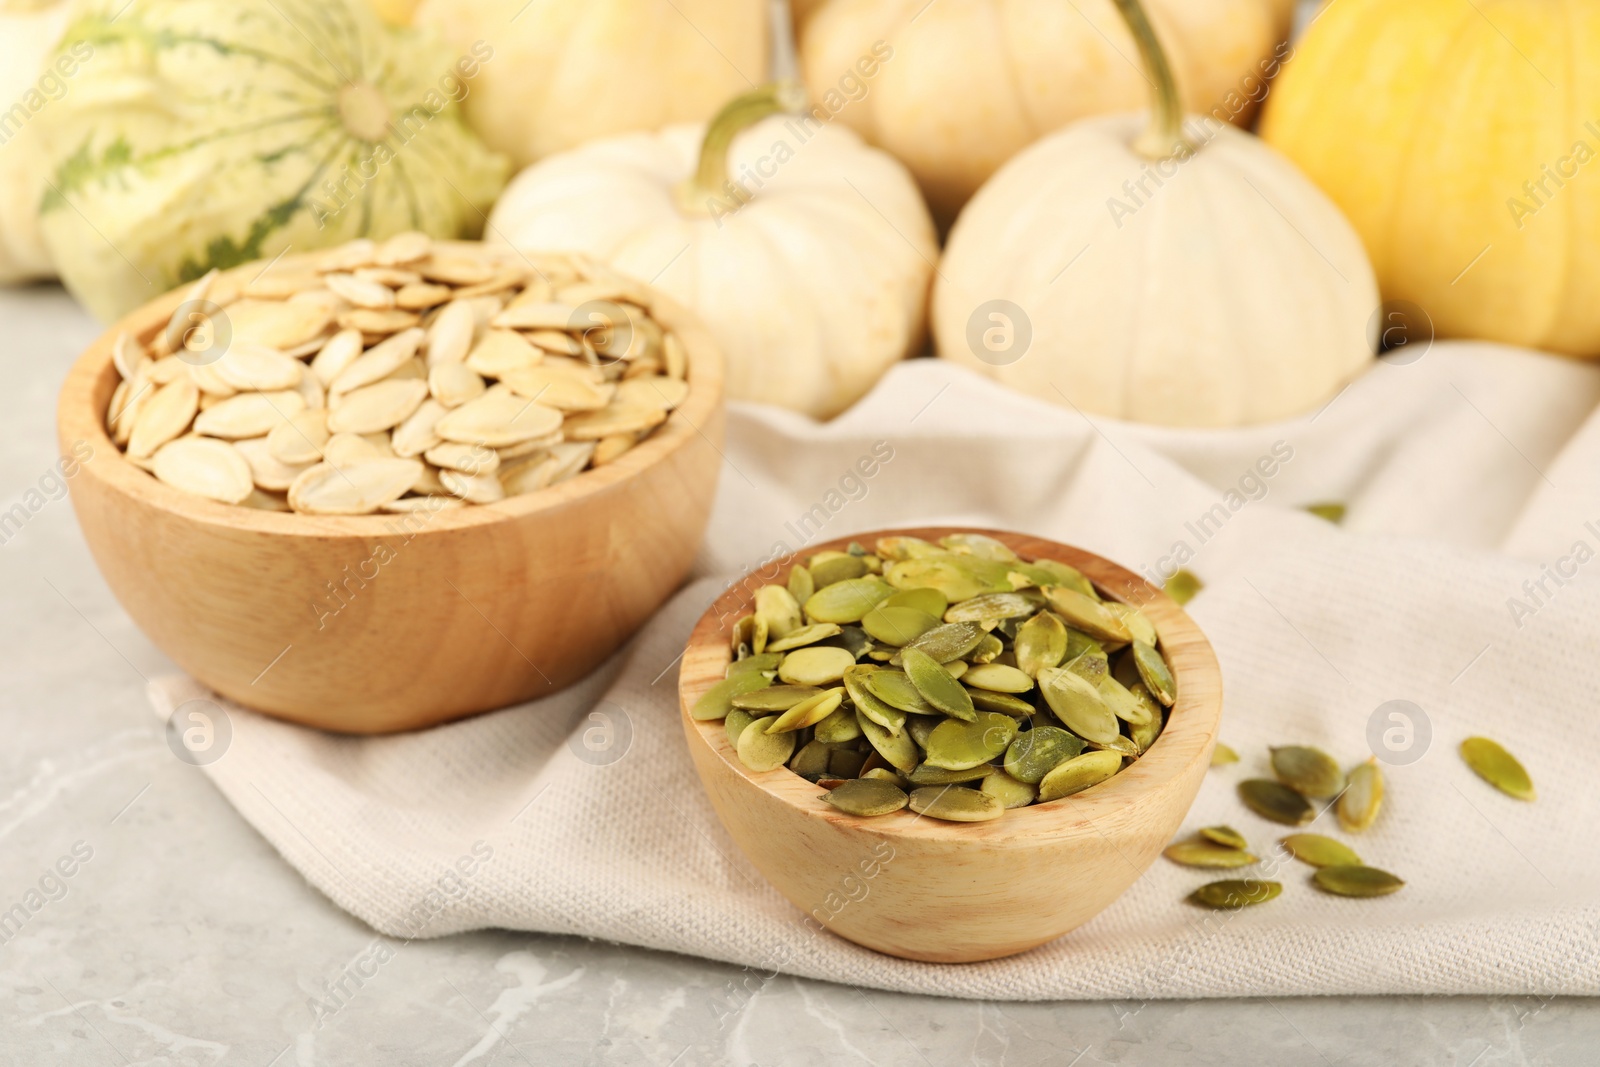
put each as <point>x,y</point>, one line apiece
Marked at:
<point>1459,139</point>
<point>569,71</point>
<point>972,82</point>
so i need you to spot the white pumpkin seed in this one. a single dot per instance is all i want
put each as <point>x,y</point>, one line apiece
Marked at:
<point>336,354</point>
<point>248,414</point>
<point>358,487</point>
<point>361,293</point>
<point>500,352</point>
<point>298,440</point>
<point>205,467</point>
<point>381,406</point>
<point>473,488</point>
<point>257,368</point>
<point>266,469</point>
<point>167,414</point>
<point>378,362</point>
<point>498,419</point>
<point>453,384</point>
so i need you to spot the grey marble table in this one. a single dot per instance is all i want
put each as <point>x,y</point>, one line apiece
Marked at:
<point>182,938</point>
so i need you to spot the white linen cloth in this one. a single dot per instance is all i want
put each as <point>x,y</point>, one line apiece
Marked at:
<point>1467,473</point>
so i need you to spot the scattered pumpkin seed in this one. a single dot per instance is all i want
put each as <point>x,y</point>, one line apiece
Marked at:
<point>1332,512</point>
<point>1223,754</point>
<point>1321,851</point>
<point>1362,797</point>
<point>1182,586</point>
<point>1209,854</point>
<point>1236,893</point>
<point>866,797</point>
<point>1491,762</point>
<point>1308,771</point>
<point>1224,835</point>
<point>955,803</point>
<point>1276,802</point>
<point>1356,881</point>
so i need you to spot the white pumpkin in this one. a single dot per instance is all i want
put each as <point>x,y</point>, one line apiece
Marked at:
<point>569,71</point>
<point>29,30</point>
<point>813,287</point>
<point>1215,289</point>
<point>972,82</point>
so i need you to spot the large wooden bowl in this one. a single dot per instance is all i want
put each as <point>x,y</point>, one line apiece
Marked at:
<point>372,624</point>
<point>957,892</point>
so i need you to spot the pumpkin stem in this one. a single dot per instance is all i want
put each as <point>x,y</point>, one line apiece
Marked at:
<point>1164,139</point>
<point>710,182</point>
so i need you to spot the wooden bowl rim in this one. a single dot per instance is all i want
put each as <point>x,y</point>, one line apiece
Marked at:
<point>1189,735</point>
<point>78,418</point>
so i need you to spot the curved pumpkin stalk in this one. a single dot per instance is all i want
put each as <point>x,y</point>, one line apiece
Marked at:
<point>710,180</point>
<point>1164,139</point>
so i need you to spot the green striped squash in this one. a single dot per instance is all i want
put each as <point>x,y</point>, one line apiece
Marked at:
<point>209,133</point>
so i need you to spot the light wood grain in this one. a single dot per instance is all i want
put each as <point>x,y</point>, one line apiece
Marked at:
<point>472,609</point>
<point>928,890</point>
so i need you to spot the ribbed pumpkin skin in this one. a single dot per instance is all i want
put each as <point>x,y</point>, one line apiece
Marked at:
<point>1427,122</point>
<point>812,289</point>
<point>1232,294</point>
<point>570,71</point>
<point>207,134</point>
<point>973,82</point>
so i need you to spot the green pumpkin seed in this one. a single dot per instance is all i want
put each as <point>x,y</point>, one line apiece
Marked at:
<point>815,666</point>
<point>927,601</point>
<point>885,774</point>
<point>1041,642</point>
<point>1357,881</point>
<point>718,700</point>
<point>899,548</point>
<point>989,650</point>
<point>898,750</point>
<point>936,685</point>
<point>1078,705</point>
<point>1090,665</point>
<point>866,796</point>
<point>1332,512</point>
<point>810,711</point>
<point>920,726</point>
<point>1498,767</point>
<point>1143,735</point>
<point>894,688</point>
<point>886,715</point>
<point>735,723</point>
<point>1008,791</point>
<point>1125,670</point>
<point>812,760</point>
<point>1123,704</point>
<point>763,751</point>
<point>1224,835</point>
<point>749,633</point>
<point>953,580</point>
<point>1182,586</point>
<point>846,763</point>
<point>1276,801</point>
<point>997,678</point>
<point>1077,774</point>
<point>1133,620</point>
<point>993,607</point>
<point>1078,643</point>
<point>781,611</point>
<point>838,728</point>
<point>803,636</point>
<point>853,639</point>
<point>1089,616</point>
<point>829,570</point>
<point>846,601</point>
<point>1236,893</point>
<point>948,642</point>
<point>958,669</point>
<point>1121,745</point>
<point>1362,797</point>
<point>1037,752</point>
<point>1054,572</point>
<point>897,625</point>
<point>954,803</point>
<point>1223,754</point>
<point>1209,854</point>
<point>766,661</point>
<point>955,745</point>
<point>1153,671</point>
<point>1320,851</point>
<point>1308,771</point>
<point>775,697</point>
<point>801,584</point>
<point>981,545</point>
<point>984,700</point>
<point>927,774</point>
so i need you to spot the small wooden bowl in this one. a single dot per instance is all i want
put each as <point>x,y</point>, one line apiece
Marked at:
<point>957,892</point>
<point>371,624</point>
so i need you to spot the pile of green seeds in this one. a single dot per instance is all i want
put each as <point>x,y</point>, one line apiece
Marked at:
<point>954,678</point>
